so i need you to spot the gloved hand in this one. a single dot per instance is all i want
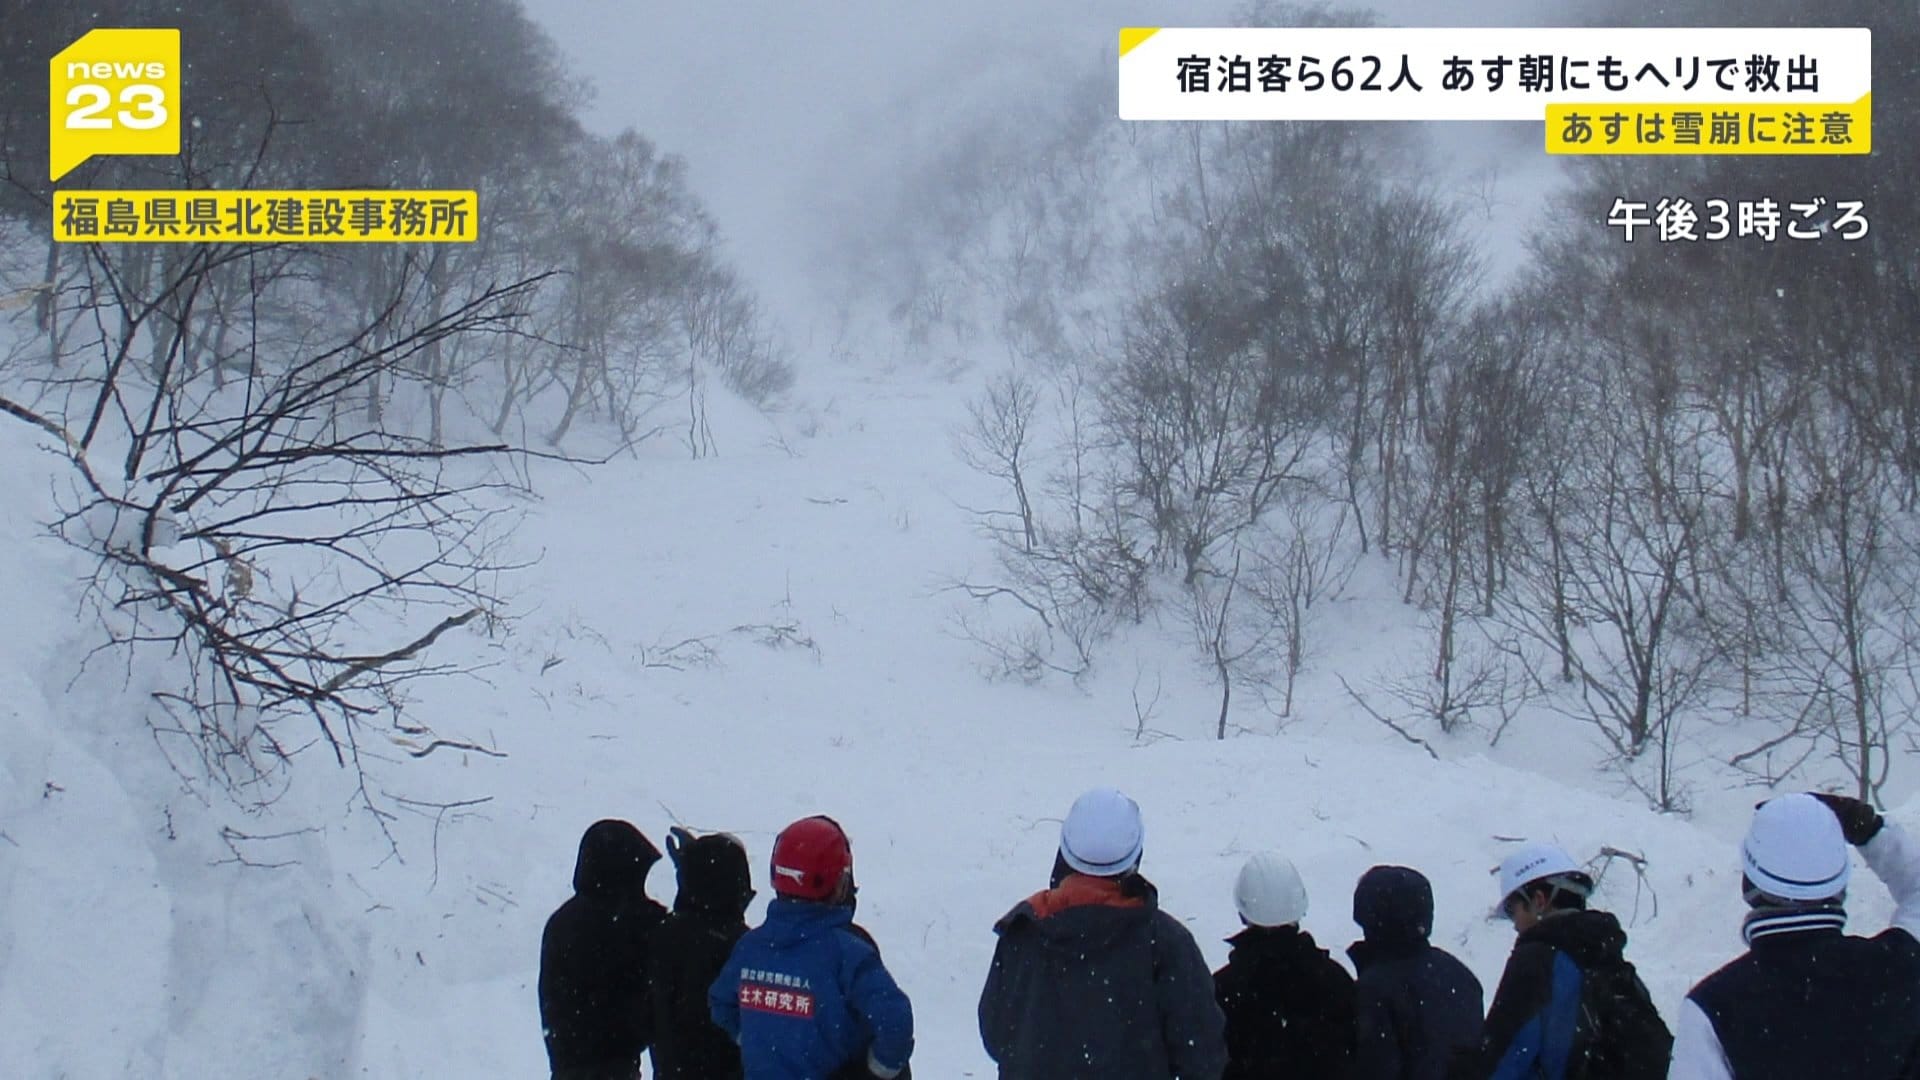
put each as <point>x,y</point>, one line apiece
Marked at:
<point>1859,821</point>
<point>866,1068</point>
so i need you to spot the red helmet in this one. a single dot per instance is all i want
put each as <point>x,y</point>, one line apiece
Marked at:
<point>810,859</point>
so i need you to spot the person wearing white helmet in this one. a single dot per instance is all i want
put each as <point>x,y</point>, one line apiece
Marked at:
<point>1090,977</point>
<point>1289,1005</point>
<point>1807,999</point>
<point>1569,1004</point>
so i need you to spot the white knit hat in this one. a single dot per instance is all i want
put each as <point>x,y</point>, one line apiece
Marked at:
<point>1270,892</point>
<point>1103,834</point>
<point>1795,850</point>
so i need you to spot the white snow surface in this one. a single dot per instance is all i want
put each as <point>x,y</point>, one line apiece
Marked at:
<point>130,944</point>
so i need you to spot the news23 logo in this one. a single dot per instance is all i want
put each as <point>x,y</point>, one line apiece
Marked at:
<point>113,92</point>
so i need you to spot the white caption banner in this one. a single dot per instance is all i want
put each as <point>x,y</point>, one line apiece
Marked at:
<point>1344,73</point>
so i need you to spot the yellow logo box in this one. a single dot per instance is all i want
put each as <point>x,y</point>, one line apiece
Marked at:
<point>113,92</point>
<point>1711,129</point>
<point>266,217</point>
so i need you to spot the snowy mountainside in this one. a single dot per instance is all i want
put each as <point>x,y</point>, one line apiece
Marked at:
<point>730,643</point>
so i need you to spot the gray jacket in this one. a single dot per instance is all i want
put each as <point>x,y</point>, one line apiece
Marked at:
<point>1092,979</point>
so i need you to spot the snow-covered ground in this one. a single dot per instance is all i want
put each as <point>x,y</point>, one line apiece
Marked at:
<point>817,670</point>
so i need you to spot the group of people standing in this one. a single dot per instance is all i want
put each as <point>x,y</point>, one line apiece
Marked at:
<point>1090,978</point>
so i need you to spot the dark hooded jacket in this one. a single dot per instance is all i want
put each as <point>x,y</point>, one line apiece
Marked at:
<point>687,952</point>
<point>1416,1006</point>
<point>1537,1025</point>
<point>593,955</point>
<point>1091,979</point>
<point>1289,1007</point>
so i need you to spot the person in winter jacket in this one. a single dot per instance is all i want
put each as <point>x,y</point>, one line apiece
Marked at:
<point>1289,1005</point>
<point>1806,999</point>
<point>1569,1005</point>
<point>1090,978</point>
<point>688,951</point>
<point>804,994</point>
<point>1415,1006</point>
<point>593,959</point>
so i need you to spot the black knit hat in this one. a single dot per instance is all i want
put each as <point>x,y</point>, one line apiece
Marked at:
<point>712,872</point>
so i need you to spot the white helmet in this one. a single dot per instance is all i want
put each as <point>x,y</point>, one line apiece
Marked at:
<point>1542,862</point>
<point>1270,892</point>
<point>1795,850</point>
<point>1103,834</point>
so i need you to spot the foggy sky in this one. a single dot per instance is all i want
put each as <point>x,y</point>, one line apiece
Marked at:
<point>765,97</point>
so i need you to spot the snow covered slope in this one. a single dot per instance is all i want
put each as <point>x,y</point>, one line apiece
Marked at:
<point>729,643</point>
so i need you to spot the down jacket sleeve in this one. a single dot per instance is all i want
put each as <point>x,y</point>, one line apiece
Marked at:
<point>1377,1047</point>
<point>1191,1022</point>
<point>1894,858</point>
<point>1696,1049</point>
<point>997,1000</point>
<point>723,998</point>
<point>886,1011</point>
<point>1514,1034</point>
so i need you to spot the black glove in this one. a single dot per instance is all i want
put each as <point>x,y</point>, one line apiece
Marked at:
<point>1859,821</point>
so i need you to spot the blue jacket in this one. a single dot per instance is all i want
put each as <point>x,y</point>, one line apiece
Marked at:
<point>805,996</point>
<point>1570,1007</point>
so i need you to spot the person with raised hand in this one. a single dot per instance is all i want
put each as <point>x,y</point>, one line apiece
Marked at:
<point>1806,998</point>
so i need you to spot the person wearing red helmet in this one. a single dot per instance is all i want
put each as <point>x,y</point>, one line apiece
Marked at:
<point>805,993</point>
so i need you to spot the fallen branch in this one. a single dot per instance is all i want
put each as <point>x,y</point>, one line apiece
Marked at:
<point>453,744</point>
<point>439,814</point>
<point>405,652</point>
<point>1608,853</point>
<point>1391,726</point>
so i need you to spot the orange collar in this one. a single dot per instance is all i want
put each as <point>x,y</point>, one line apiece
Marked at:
<point>1080,890</point>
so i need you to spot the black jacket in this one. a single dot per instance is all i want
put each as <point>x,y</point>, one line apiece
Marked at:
<point>593,954</point>
<point>1537,1017</point>
<point>1416,1007</point>
<point>1091,979</point>
<point>687,952</point>
<point>1289,1007</point>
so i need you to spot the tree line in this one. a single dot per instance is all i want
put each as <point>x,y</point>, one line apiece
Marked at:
<point>1665,488</point>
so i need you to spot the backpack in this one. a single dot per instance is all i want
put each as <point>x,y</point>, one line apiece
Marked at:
<point>1622,1030</point>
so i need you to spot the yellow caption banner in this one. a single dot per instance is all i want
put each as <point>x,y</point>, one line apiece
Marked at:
<point>113,92</point>
<point>266,217</point>
<point>1711,129</point>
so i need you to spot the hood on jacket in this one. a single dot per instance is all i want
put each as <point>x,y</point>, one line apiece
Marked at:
<point>1279,942</point>
<point>1393,906</point>
<point>790,921</point>
<point>1589,938</point>
<point>614,859</point>
<point>1083,912</point>
<point>712,873</point>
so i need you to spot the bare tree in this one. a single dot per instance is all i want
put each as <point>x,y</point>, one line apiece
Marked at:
<point>1213,420</point>
<point>1235,646</point>
<point>1301,564</point>
<point>1628,568</point>
<point>996,442</point>
<point>1842,674</point>
<point>255,535</point>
